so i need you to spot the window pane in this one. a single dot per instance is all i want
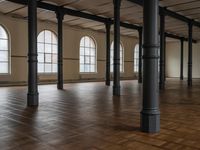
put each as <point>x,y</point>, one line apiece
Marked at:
<point>92,51</point>
<point>3,67</point>
<point>41,37</point>
<point>55,49</point>
<point>82,43</point>
<point>40,47</point>
<point>87,60</point>
<point>40,57</point>
<point>55,68</point>
<point>87,42</point>
<point>48,68</point>
<point>48,58</point>
<point>40,67</point>
<point>82,59</point>
<point>92,67</point>
<point>47,37</point>
<point>87,68</point>
<point>81,51</point>
<point>87,51</point>
<point>3,44</point>
<point>55,58</point>
<point>3,33</point>
<point>3,55</point>
<point>54,39</point>
<point>93,61</point>
<point>47,48</point>
<point>82,68</point>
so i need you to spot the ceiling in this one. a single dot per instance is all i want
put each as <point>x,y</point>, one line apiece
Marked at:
<point>130,13</point>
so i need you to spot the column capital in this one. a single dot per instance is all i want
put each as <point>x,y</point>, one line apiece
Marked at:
<point>59,13</point>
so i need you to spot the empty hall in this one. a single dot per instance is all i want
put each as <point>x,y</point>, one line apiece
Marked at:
<point>99,75</point>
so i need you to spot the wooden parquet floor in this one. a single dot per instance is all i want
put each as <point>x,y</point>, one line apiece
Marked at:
<point>85,116</point>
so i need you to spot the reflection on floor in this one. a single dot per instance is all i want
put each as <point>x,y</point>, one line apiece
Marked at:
<point>87,116</point>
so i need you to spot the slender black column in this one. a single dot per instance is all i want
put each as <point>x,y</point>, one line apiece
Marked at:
<point>140,57</point>
<point>190,26</point>
<point>32,54</point>
<point>181,64</point>
<point>60,17</point>
<point>162,51</point>
<point>165,58</point>
<point>108,53</point>
<point>116,78</point>
<point>150,114</point>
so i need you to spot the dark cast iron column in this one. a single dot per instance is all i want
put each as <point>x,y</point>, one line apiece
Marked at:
<point>32,54</point>
<point>165,57</point>
<point>108,25</point>
<point>181,63</point>
<point>116,78</point>
<point>60,17</point>
<point>140,56</point>
<point>190,26</point>
<point>150,114</point>
<point>162,50</point>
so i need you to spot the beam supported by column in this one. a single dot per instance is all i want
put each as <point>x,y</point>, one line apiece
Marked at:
<point>32,54</point>
<point>116,69</point>
<point>181,63</point>
<point>108,25</point>
<point>190,28</point>
<point>150,114</point>
<point>162,51</point>
<point>140,56</point>
<point>60,17</point>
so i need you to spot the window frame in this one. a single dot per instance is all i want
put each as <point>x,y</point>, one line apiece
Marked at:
<point>43,43</point>
<point>9,50</point>
<point>95,48</point>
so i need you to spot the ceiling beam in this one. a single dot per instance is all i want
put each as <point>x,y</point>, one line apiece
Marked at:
<point>178,37</point>
<point>170,13</point>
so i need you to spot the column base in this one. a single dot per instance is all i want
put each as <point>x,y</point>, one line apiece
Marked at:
<point>60,86</point>
<point>150,121</point>
<point>33,99</point>
<point>108,83</point>
<point>189,83</point>
<point>116,90</point>
<point>162,86</point>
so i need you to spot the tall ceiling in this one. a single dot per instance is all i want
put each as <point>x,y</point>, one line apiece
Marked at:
<point>130,13</point>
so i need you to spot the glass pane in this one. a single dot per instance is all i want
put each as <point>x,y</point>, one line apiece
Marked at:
<point>87,60</point>
<point>3,44</point>
<point>48,68</point>
<point>82,43</point>
<point>3,67</point>
<point>55,49</point>
<point>47,37</point>
<point>87,41</point>
<point>93,60</point>
<point>3,33</point>
<point>55,68</point>
<point>54,39</point>
<point>92,67</point>
<point>87,51</point>
<point>48,58</point>
<point>40,47</point>
<point>3,55</point>
<point>92,51</point>
<point>41,37</point>
<point>82,59</point>
<point>92,45</point>
<point>111,47</point>
<point>81,51</point>
<point>40,57</point>
<point>87,68</point>
<point>47,48</point>
<point>40,67</point>
<point>82,68</point>
<point>55,58</point>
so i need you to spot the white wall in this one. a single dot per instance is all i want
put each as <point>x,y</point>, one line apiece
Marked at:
<point>17,29</point>
<point>173,59</point>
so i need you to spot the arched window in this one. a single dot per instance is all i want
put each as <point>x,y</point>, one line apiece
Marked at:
<point>121,57</point>
<point>136,58</point>
<point>4,51</point>
<point>87,55</point>
<point>47,52</point>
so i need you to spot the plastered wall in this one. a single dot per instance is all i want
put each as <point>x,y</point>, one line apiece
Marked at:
<point>17,29</point>
<point>173,59</point>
